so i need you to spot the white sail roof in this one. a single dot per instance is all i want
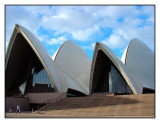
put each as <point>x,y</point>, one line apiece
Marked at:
<point>75,63</point>
<point>132,81</point>
<point>70,67</point>
<point>139,59</point>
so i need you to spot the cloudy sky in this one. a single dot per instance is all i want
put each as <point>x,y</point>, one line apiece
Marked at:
<point>114,26</point>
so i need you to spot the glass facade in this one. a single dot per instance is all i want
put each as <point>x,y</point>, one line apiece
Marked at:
<point>107,78</point>
<point>117,83</point>
<point>37,82</point>
<point>41,82</point>
<point>26,74</point>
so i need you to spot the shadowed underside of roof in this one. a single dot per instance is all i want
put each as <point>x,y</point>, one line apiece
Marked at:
<point>15,46</point>
<point>65,72</point>
<point>71,68</point>
<point>133,83</point>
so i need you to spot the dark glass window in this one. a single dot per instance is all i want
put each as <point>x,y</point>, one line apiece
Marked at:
<point>38,79</point>
<point>38,82</point>
<point>107,78</point>
<point>117,83</point>
<point>24,72</point>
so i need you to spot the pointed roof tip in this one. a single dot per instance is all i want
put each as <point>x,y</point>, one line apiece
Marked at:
<point>17,25</point>
<point>68,41</point>
<point>138,40</point>
<point>119,65</point>
<point>135,39</point>
<point>98,43</point>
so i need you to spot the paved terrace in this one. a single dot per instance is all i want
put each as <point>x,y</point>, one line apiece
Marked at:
<point>100,105</point>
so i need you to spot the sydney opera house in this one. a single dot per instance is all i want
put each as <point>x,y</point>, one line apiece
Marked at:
<point>30,72</point>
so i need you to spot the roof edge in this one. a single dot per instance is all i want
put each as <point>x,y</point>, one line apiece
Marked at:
<point>19,30</point>
<point>100,47</point>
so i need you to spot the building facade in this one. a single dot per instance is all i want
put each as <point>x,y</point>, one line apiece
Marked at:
<point>30,69</point>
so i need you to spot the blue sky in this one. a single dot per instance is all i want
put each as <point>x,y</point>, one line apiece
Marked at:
<point>114,26</point>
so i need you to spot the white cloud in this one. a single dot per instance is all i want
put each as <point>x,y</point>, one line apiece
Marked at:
<point>52,51</point>
<point>84,23</point>
<point>90,47</point>
<point>20,15</point>
<point>72,20</point>
<point>42,37</point>
<point>68,19</point>
<point>59,40</point>
<point>84,35</point>
<point>131,27</point>
<point>114,41</point>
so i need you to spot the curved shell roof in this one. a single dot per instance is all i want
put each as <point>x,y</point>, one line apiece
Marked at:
<point>70,66</point>
<point>69,69</point>
<point>132,81</point>
<point>41,53</point>
<point>139,59</point>
<point>75,64</point>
